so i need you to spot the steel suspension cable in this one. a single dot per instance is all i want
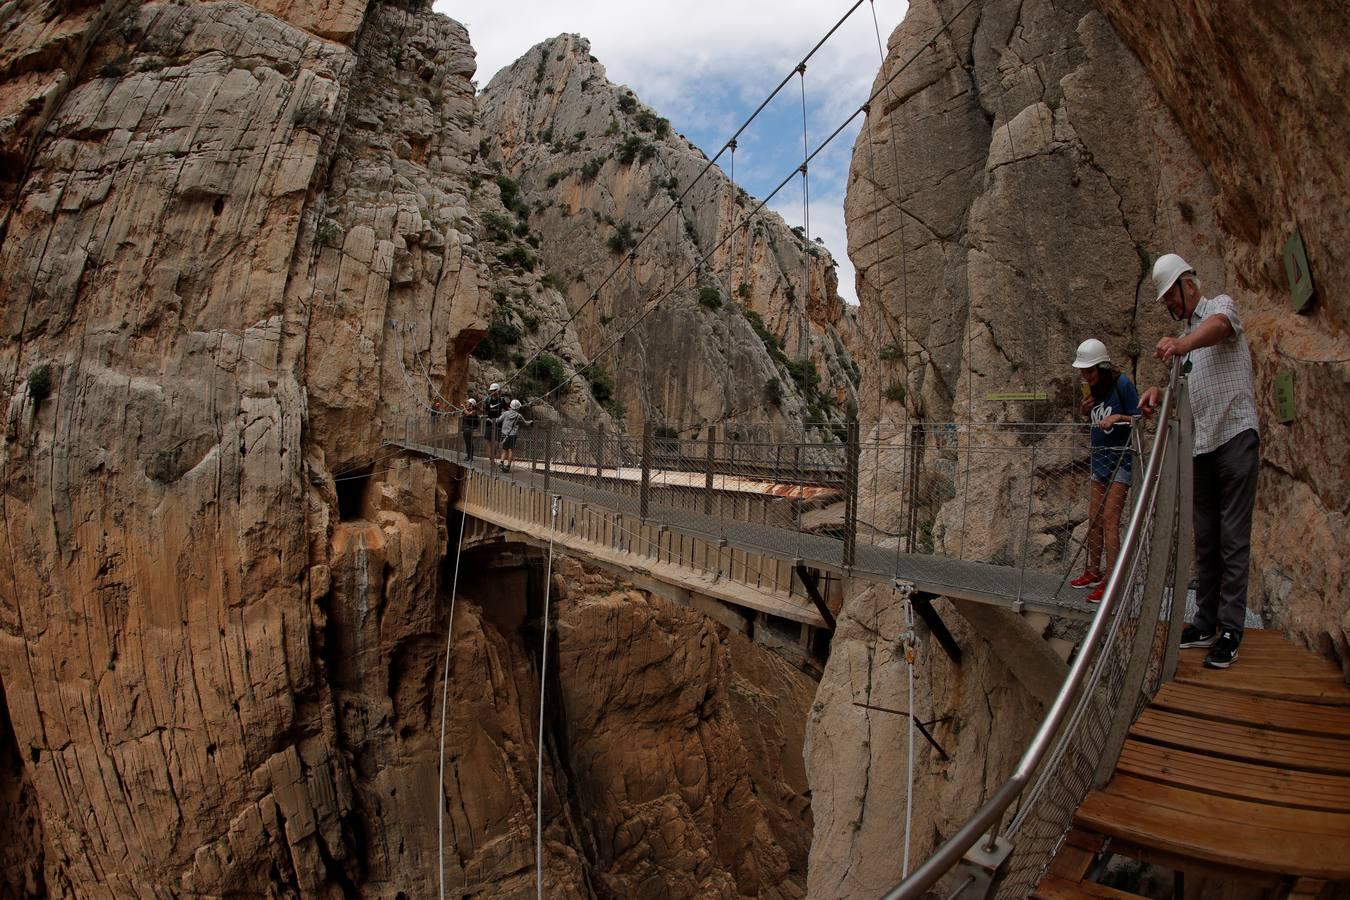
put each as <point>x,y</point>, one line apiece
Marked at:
<point>543,687</point>
<point>706,168</point>
<point>445,702</point>
<point>803,346</point>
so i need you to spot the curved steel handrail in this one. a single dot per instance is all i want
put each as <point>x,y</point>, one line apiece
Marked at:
<point>946,856</point>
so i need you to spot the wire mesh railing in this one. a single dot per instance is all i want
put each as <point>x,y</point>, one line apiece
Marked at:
<point>1003,509</point>
<point>1121,662</point>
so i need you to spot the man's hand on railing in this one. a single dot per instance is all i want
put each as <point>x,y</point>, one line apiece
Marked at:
<point>1150,400</point>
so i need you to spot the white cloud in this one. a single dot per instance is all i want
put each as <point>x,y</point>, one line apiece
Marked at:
<point>706,64</point>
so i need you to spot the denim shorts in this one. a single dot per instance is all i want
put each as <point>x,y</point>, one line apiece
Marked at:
<point>1112,464</point>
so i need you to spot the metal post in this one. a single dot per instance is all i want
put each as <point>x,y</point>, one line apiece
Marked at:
<point>599,452</point>
<point>1185,539</point>
<point>708,477</point>
<point>645,491</point>
<point>1026,531</point>
<point>853,451</point>
<point>548,453</point>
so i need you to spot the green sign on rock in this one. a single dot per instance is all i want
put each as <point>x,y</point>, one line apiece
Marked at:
<point>1297,271</point>
<point>1284,396</point>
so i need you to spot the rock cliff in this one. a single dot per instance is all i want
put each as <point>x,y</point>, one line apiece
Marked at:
<point>1007,197</point>
<point>1257,91</point>
<point>1003,194</point>
<point>238,243</point>
<point>757,333</point>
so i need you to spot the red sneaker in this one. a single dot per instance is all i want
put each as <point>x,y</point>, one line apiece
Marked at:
<point>1096,595</point>
<point>1087,579</point>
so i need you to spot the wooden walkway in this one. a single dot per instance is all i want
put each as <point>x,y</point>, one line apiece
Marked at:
<point>1240,774</point>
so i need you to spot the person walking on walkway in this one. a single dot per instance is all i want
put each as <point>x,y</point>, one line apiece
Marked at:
<point>1112,403</point>
<point>469,424</point>
<point>1227,456</point>
<point>494,404</point>
<point>509,423</point>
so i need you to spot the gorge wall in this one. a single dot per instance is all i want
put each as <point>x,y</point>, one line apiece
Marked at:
<point>239,242</point>
<point>756,333</point>
<point>1008,195</point>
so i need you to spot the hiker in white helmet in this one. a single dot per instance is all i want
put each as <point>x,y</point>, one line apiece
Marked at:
<point>492,407</point>
<point>1227,454</point>
<point>469,423</point>
<point>1111,403</point>
<point>509,423</point>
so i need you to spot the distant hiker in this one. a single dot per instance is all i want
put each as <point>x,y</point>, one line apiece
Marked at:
<point>1112,403</point>
<point>510,426</point>
<point>1227,454</point>
<point>469,423</point>
<point>494,404</point>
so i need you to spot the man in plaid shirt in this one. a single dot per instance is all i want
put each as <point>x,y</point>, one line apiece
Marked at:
<point>1227,455</point>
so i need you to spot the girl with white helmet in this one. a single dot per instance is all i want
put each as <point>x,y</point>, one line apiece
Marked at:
<point>469,423</point>
<point>509,422</point>
<point>1111,402</point>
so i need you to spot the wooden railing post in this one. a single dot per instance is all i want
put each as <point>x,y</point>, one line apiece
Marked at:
<point>708,476</point>
<point>645,491</point>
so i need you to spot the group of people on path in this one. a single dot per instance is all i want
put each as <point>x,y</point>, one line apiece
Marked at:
<point>497,420</point>
<point>1216,361</point>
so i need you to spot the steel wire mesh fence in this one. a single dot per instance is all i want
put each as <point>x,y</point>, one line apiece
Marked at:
<point>1009,500</point>
<point>1047,808</point>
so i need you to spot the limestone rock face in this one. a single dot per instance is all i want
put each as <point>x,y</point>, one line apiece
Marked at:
<point>1003,196</point>
<point>1257,90</point>
<point>239,243</point>
<point>597,173</point>
<point>684,747</point>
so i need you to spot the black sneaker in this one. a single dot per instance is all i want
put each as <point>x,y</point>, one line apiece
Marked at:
<point>1224,651</point>
<point>1194,637</point>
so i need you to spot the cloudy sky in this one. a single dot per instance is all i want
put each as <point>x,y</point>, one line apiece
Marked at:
<point>706,65</point>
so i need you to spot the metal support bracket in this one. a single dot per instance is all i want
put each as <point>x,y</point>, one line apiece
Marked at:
<point>979,871</point>
<point>923,605</point>
<point>811,581</point>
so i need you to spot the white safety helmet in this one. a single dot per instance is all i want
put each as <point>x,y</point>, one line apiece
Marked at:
<point>515,404</point>
<point>473,402</point>
<point>1091,352</point>
<point>494,386</point>
<point>1167,270</point>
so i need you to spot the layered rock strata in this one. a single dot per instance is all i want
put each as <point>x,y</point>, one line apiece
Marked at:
<point>241,243</point>
<point>1257,90</point>
<point>1005,196</point>
<point>756,333</point>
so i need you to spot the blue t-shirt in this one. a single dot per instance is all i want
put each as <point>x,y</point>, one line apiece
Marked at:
<point>1121,400</point>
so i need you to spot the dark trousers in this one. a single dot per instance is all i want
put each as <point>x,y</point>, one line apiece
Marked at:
<point>1225,493</point>
<point>468,444</point>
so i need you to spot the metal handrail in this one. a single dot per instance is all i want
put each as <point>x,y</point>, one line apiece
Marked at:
<point>988,816</point>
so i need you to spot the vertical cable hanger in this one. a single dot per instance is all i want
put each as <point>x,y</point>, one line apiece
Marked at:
<point>802,344</point>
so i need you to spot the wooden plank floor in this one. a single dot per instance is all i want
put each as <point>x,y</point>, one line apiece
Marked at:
<point>1243,771</point>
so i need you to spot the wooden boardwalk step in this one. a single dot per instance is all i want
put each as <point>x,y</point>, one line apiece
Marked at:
<point>1260,681</point>
<point>1230,778</point>
<point>1188,832</point>
<point>1263,712</point>
<point>1266,746</point>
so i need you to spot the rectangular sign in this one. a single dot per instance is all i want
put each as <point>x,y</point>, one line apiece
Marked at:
<point>1297,271</point>
<point>1284,396</point>
<point>1018,395</point>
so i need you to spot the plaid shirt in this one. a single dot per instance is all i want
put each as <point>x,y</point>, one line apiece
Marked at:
<point>1223,400</point>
